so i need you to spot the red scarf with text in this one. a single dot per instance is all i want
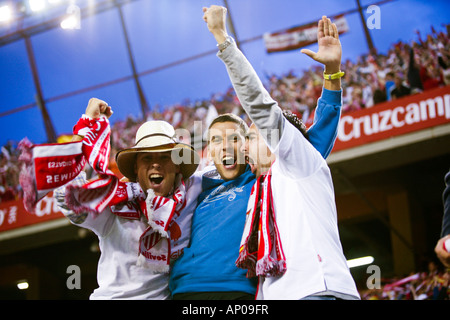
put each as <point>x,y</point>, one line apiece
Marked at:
<point>261,252</point>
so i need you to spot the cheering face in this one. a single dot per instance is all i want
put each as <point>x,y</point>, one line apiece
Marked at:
<point>258,154</point>
<point>155,170</point>
<point>225,144</point>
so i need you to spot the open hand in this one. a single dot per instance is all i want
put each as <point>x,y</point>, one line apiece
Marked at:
<point>330,50</point>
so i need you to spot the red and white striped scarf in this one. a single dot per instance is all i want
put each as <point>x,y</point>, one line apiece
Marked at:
<point>261,252</point>
<point>160,239</point>
<point>49,166</point>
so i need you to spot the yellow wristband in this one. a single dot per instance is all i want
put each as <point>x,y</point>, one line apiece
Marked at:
<point>333,76</point>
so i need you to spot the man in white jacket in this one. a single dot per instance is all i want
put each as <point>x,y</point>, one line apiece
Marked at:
<point>301,182</point>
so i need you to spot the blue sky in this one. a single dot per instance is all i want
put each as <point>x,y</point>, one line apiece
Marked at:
<point>164,31</point>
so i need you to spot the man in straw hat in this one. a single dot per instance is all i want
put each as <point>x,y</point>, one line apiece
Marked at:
<point>148,215</point>
<point>157,158</point>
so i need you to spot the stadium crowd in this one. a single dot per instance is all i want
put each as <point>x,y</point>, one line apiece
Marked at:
<point>372,79</point>
<point>405,69</point>
<point>432,284</point>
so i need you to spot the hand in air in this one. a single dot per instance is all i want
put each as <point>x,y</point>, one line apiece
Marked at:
<point>330,50</point>
<point>97,107</point>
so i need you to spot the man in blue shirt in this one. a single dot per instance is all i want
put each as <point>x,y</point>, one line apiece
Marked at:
<point>207,265</point>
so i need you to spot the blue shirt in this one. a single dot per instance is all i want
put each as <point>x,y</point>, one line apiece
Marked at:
<point>208,264</point>
<point>323,132</point>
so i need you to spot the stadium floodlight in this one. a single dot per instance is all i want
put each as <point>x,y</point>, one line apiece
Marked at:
<point>5,13</point>
<point>37,5</point>
<point>360,261</point>
<point>22,285</point>
<point>73,18</point>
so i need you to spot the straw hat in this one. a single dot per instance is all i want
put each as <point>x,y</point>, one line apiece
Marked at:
<point>157,136</point>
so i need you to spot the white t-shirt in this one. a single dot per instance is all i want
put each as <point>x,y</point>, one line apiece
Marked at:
<point>306,216</point>
<point>118,275</point>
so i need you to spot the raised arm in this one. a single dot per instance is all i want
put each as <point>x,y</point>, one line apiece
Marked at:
<point>254,98</point>
<point>322,134</point>
<point>94,110</point>
<point>259,105</point>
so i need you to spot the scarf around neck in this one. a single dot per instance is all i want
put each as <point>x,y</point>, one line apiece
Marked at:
<point>50,166</point>
<point>261,251</point>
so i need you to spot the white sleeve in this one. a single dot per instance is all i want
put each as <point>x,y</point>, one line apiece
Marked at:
<point>296,157</point>
<point>263,111</point>
<point>100,224</point>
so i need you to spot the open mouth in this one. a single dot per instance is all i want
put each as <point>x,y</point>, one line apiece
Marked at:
<point>251,163</point>
<point>229,162</point>
<point>156,179</point>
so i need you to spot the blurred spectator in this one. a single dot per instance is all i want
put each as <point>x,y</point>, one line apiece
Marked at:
<point>400,89</point>
<point>9,173</point>
<point>414,73</point>
<point>356,100</point>
<point>389,85</point>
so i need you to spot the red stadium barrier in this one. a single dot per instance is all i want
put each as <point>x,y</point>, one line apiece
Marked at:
<point>394,118</point>
<point>13,214</point>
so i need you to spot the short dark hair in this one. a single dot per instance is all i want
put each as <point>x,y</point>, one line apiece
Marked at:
<point>230,117</point>
<point>296,122</point>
